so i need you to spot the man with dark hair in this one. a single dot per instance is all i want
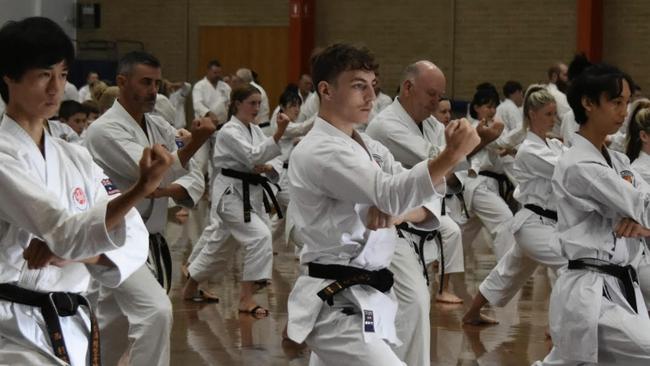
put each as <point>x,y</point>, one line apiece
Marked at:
<point>115,140</point>
<point>211,95</point>
<point>345,201</point>
<point>597,312</point>
<point>62,219</point>
<point>509,110</point>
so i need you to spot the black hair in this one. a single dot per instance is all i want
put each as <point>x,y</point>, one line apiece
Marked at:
<point>593,82</point>
<point>579,63</point>
<point>69,108</point>
<point>32,43</point>
<point>239,94</point>
<point>214,63</point>
<point>129,60</point>
<point>486,93</point>
<point>290,97</point>
<point>511,87</point>
<point>338,58</point>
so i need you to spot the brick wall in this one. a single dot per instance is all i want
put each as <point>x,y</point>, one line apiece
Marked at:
<point>169,28</point>
<point>484,40</point>
<point>625,39</point>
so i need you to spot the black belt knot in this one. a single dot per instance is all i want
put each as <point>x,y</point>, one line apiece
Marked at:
<point>506,188</point>
<point>419,247</point>
<point>254,179</point>
<point>54,305</point>
<point>625,274</point>
<point>549,214</point>
<point>347,276</point>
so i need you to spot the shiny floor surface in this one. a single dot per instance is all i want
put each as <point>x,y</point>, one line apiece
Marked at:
<point>216,334</point>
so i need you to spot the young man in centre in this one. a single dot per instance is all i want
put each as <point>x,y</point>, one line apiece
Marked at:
<point>344,207</point>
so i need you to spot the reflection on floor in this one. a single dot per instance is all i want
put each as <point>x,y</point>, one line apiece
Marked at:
<point>216,334</point>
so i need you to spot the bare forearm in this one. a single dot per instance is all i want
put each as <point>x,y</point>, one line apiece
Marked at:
<point>417,215</point>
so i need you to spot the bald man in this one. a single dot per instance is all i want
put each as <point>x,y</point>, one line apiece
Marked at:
<point>407,129</point>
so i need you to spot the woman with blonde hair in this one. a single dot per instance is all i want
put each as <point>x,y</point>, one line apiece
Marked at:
<point>533,225</point>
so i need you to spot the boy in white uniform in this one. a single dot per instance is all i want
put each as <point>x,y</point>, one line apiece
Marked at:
<point>58,223</point>
<point>344,207</point>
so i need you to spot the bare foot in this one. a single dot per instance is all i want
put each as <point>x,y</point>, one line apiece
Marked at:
<point>481,319</point>
<point>448,298</point>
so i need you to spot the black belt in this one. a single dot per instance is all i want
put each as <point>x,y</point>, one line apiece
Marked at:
<point>54,305</point>
<point>254,179</point>
<point>346,276</point>
<point>549,214</point>
<point>264,124</point>
<point>625,274</point>
<point>506,188</point>
<point>419,247</point>
<point>160,260</point>
<point>285,165</point>
<point>460,197</point>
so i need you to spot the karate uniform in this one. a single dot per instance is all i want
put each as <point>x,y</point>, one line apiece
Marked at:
<point>84,93</point>
<point>60,199</point>
<point>590,319</point>
<point>70,92</point>
<point>208,98</point>
<point>309,107</point>
<point>164,109</point>
<point>63,131</point>
<point>333,181</point>
<point>238,148</point>
<point>511,115</point>
<point>534,165</point>
<point>116,141</point>
<point>177,100</point>
<point>396,130</point>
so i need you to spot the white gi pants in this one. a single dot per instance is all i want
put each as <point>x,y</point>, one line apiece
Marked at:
<point>226,219</point>
<point>452,246</point>
<point>141,308</point>
<point>337,340</point>
<point>413,303</point>
<point>519,263</point>
<point>623,339</point>
<point>491,211</point>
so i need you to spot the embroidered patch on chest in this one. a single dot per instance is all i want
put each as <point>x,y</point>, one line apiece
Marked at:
<point>79,198</point>
<point>110,187</point>
<point>628,176</point>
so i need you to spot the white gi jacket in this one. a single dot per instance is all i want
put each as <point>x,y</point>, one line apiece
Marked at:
<point>396,130</point>
<point>265,110</point>
<point>510,114</point>
<point>177,100</point>
<point>331,178</point>
<point>116,141</point>
<point>240,148</point>
<point>164,109</point>
<point>70,92</point>
<point>293,131</point>
<point>63,131</point>
<point>84,93</point>
<point>61,200</point>
<point>591,199</point>
<point>207,98</point>
<point>533,168</point>
<point>642,166</point>
<point>309,107</point>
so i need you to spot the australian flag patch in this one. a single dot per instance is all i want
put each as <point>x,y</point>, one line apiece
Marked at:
<point>110,187</point>
<point>368,321</point>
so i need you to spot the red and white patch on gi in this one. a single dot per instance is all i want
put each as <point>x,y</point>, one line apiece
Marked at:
<point>79,198</point>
